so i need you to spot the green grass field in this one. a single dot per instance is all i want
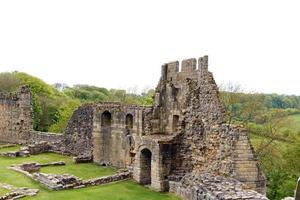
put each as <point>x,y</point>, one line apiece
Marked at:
<point>125,190</point>
<point>6,149</point>
<point>85,171</point>
<point>293,126</point>
<point>295,123</point>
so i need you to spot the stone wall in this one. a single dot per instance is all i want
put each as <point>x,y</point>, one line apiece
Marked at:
<point>15,116</point>
<point>116,132</point>
<point>78,133</point>
<point>205,186</point>
<point>16,121</point>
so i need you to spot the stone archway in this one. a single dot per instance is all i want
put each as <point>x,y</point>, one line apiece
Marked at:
<point>145,167</point>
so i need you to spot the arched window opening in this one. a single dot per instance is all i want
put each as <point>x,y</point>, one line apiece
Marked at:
<point>106,119</point>
<point>175,123</point>
<point>129,121</point>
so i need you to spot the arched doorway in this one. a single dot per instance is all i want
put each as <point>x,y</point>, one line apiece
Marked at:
<point>145,164</point>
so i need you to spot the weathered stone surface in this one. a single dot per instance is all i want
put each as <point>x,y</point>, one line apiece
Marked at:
<point>30,167</point>
<point>115,131</point>
<point>206,186</point>
<point>78,134</point>
<point>17,193</point>
<point>44,142</point>
<point>83,159</point>
<point>14,154</point>
<point>187,106</point>
<point>16,116</point>
<point>57,181</point>
<point>65,181</point>
<point>108,179</point>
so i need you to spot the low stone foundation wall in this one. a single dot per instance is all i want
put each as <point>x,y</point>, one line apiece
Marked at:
<point>65,181</point>
<point>14,154</point>
<point>54,139</point>
<point>108,179</point>
<point>32,149</point>
<point>17,193</point>
<point>83,159</point>
<point>209,187</point>
<point>58,181</point>
<point>37,136</point>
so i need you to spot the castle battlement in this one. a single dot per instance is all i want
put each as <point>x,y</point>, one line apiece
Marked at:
<point>189,68</point>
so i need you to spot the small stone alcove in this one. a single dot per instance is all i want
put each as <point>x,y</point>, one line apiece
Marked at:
<point>106,119</point>
<point>175,123</point>
<point>145,165</point>
<point>129,121</point>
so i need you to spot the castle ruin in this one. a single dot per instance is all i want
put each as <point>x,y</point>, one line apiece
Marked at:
<point>180,144</point>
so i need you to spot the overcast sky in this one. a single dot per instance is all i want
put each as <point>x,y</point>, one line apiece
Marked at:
<point>122,44</point>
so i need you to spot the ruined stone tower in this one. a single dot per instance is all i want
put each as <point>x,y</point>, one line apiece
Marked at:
<point>181,136</point>
<point>180,144</point>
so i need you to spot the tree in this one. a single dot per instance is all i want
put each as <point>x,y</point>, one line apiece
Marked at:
<point>230,95</point>
<point>9,82</point>
<point>272,130</point>
<point>63,115</point>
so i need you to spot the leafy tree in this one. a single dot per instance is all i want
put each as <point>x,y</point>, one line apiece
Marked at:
<point>63,114</point>
<point>45,99</point>
<point>9,82</point>
<point>230,97</point>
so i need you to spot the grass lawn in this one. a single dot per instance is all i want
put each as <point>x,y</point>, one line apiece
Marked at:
<point>6,149</point>
<point>3,191</point>
<point>85,171</point>
<point>125,190</point>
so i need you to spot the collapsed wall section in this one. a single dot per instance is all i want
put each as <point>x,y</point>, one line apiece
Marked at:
<point>190,99</point>
<point>78,133</point>
<point>16,121</point>
<point>206,186</point>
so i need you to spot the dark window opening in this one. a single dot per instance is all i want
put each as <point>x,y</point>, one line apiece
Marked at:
<point>175,92</point>
<point>129,121</point>
<point>175,123</point>
<point>106,119</point>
